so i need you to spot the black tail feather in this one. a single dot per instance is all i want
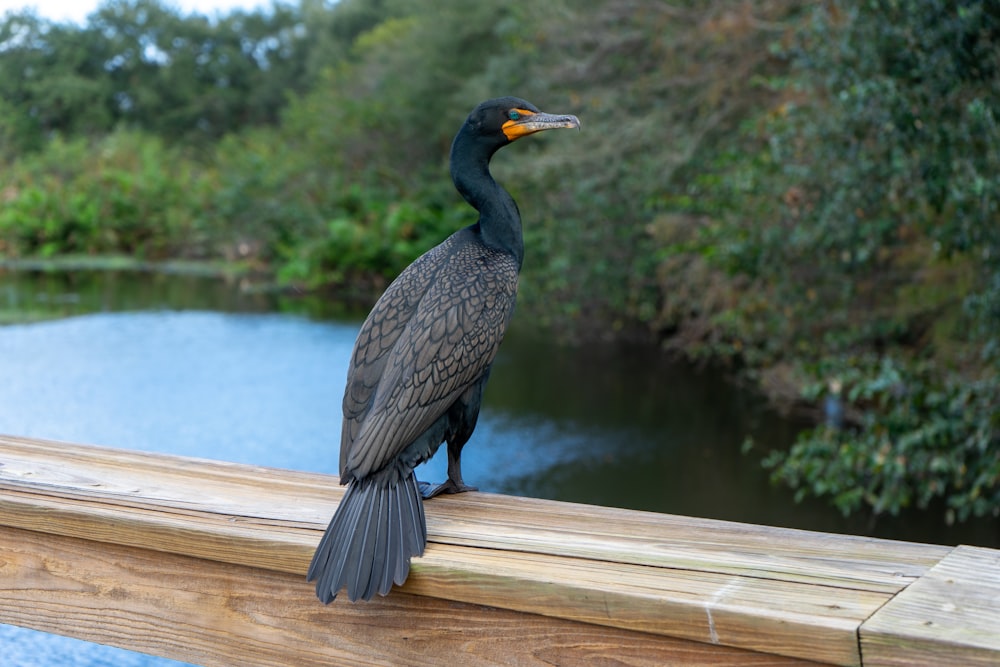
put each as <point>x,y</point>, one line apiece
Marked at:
<point>367,547</point>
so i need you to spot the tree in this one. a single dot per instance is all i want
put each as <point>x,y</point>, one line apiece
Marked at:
<point>892,260</point>
<point>51,80</point>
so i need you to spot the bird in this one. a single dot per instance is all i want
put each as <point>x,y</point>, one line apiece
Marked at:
<point>419,365</point>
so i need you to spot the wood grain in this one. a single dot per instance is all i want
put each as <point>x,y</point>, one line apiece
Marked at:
<point>778,591</point>
<point>212,613</point>
<point>951,616</point>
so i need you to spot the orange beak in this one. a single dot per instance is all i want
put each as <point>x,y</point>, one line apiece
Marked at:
<point>531,122</point>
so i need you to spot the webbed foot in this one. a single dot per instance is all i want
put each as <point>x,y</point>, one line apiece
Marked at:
<point>428,490</point>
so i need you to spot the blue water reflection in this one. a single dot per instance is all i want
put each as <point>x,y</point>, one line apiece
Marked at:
<point>263,389</point>
<point>27,648</point>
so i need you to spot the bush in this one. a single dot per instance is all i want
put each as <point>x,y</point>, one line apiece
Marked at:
<point>887,261</point>
<point>126,193</point>
<point>917,437</point>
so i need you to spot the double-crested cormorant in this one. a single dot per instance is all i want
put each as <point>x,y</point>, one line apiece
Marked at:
<point>419,366</point>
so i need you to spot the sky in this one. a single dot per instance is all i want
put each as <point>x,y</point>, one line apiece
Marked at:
<point>77,10</point>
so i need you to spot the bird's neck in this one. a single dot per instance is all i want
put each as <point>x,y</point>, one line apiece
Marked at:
<point>499,220</point>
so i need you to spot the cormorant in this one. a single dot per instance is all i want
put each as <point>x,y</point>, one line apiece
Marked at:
<point>419,366</point>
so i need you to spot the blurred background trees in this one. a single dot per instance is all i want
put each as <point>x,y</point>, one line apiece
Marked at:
<point>806,190</point>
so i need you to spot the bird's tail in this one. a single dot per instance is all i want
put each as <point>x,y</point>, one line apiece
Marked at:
<point>377,527</point>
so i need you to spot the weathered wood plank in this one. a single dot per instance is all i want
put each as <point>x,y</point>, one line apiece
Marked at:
<point>302,499</point>
<point>787,592</point>
<point>220,614</point>
<point>950,616</point>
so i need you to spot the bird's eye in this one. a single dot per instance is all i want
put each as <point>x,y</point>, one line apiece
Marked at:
<point>513,114</point>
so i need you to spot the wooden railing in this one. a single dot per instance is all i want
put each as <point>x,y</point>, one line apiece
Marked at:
<point>204,561</point>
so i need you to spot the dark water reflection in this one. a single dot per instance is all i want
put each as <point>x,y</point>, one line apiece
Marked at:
<point>200,367</point>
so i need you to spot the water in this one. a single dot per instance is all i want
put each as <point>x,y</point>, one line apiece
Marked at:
<point>200,367</point>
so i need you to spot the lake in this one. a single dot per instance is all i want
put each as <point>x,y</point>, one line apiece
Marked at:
<point>203,367</point>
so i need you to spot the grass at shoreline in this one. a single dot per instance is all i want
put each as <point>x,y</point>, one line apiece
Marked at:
<point>202,268</point>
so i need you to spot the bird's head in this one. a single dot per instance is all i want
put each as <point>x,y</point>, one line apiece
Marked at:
<point>506,119</point>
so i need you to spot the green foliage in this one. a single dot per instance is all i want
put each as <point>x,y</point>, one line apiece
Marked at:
<point>919,438</point>
<point>874,250</point>
<point>376,240</point>
<point>267,193</point>
<point>142,64</point>
<point>125,193</point>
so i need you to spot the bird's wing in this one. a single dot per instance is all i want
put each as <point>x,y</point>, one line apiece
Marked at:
<point>379,333</point>
<point>448,343</point>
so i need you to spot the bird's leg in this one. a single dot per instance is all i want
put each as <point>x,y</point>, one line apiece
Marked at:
<point>455,484</point>
<point>455,471</point>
